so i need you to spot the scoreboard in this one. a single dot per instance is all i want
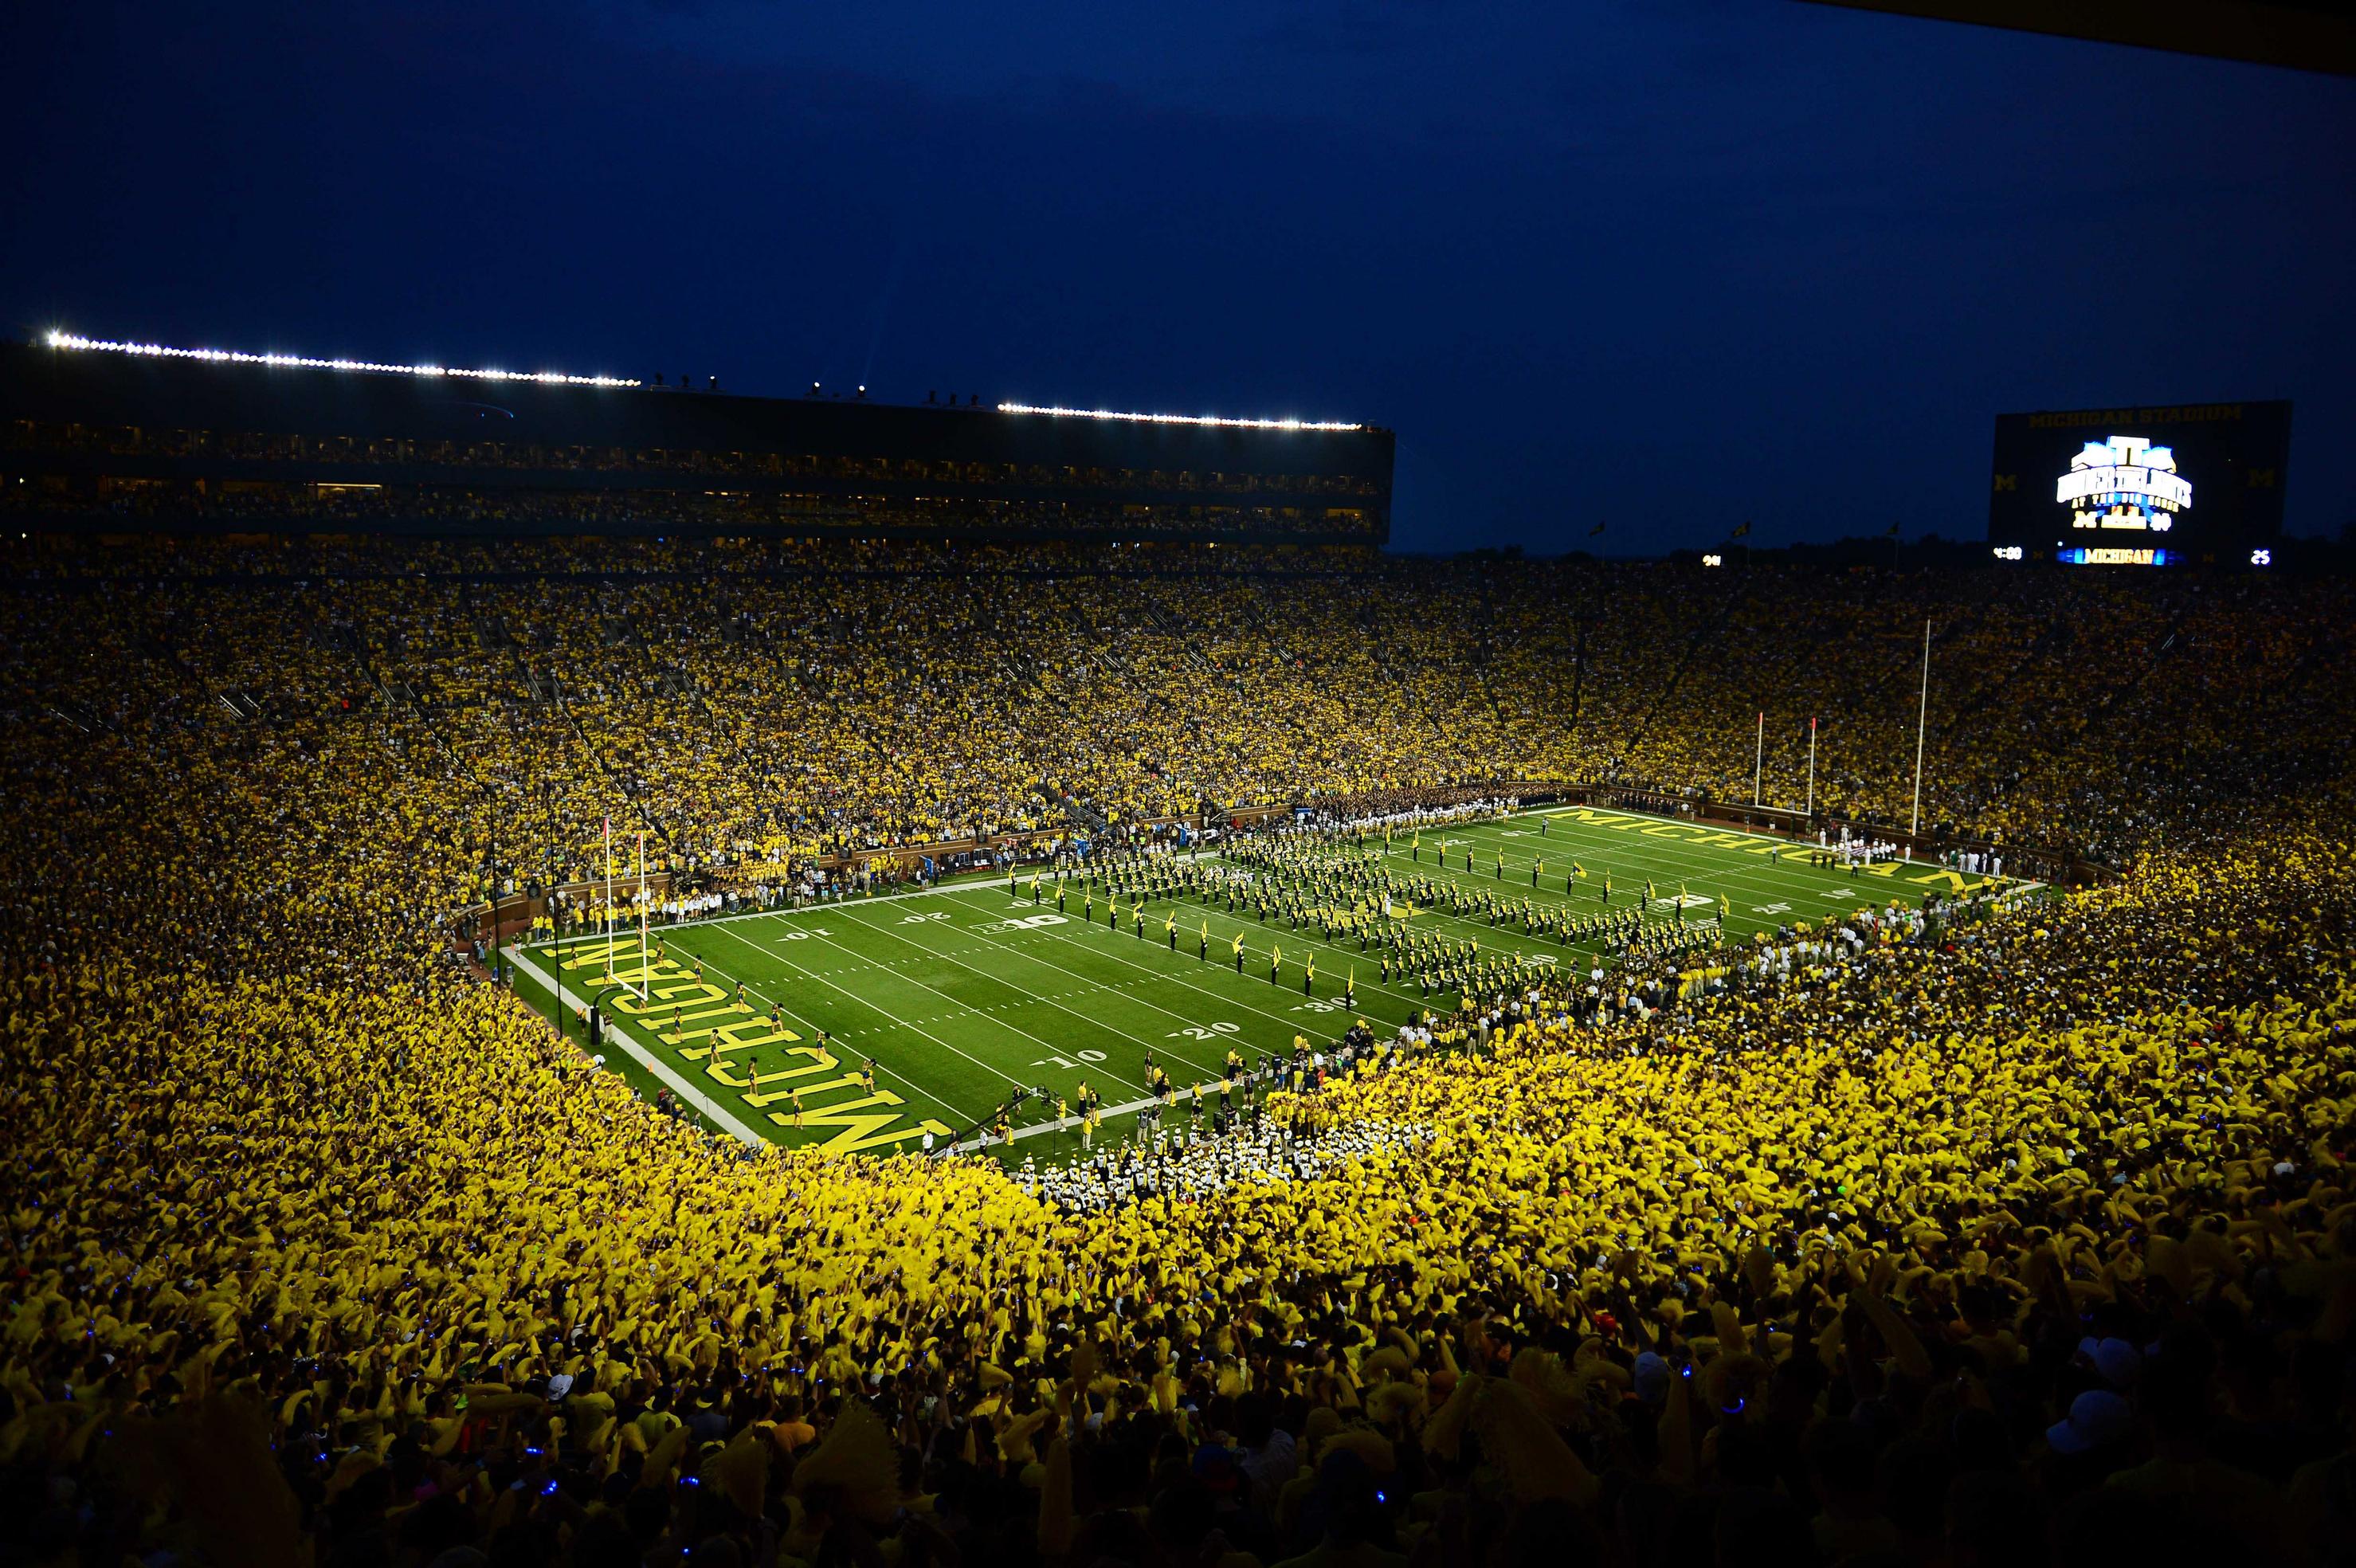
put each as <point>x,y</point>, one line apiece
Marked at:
<point>2149,485</point>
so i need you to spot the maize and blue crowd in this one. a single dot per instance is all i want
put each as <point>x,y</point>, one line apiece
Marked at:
<point>2028,1239</point>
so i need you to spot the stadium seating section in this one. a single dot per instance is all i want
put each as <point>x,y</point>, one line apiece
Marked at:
<point>173,478</point>
<point>2031,1240</point>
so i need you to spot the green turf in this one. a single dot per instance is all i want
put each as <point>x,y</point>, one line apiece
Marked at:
<point>958,993</point>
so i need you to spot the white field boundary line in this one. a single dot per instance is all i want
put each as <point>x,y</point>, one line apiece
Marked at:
<point>1491,825</point>
<point>821,908</point>
<point>894,1021</point>
<point>980,1144</point>
<point>610,1031</point>
<point>1157,976</point>
<point>938,890</point>
<point>615,1034</point>
<point>1515,942</point>
<point>964,1007</point>
<point>912,1086</point>
<point>984,1143</point>
<point>956,885</point>
<point>1697,824</point>
<point>1689,867</point>
<point>1516,858</point>
<point>1223,938</point>
<point>967,888</point>
<point>1029,997</point>
<point>977,884</point>
<point>962,883</point>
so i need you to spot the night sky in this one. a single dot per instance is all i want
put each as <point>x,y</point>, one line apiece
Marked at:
<point>1666,266</point>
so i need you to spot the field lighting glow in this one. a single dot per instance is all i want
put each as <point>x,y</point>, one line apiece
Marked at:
<point>1207,419</point>
<point>301,361</point>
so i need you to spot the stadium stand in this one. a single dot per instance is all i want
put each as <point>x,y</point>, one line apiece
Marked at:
<point>122,434</point>
<point>2004,1237</point>
<point>797,696</point>
<point>2029,1241</point>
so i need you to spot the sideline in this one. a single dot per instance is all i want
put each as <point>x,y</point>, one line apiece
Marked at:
<point>968,882</point>
<point>611,1033</point>
<point>1792,841</point>
<point>984,1142</point>
<point>964,882</point>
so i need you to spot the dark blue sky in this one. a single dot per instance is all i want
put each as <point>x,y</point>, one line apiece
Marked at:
<point>1666,265</point>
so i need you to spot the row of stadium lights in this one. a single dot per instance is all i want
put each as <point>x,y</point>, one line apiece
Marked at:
<point>1212,420</point>
<point>557,378</point>
<point>302,361</point>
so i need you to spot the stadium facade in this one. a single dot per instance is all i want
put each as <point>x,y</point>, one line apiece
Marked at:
<point>178,442</point>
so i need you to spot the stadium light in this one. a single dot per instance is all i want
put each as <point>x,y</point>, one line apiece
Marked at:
<point>1207,419</point>
<point>301,361</point>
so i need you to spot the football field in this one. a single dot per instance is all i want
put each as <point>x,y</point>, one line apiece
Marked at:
<point>769,1025</point>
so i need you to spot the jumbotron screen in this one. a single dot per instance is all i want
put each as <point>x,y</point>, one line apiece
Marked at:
<point>2155,485</point>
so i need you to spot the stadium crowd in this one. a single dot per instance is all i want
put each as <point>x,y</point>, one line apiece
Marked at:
<point>2023,1239</point>
<point>782,699</point>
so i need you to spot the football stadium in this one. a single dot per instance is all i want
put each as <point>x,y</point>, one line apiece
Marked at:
<point>610,971</point>
<point>967,985</point>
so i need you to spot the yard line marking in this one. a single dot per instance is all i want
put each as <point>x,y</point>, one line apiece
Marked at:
<point>1205,911</point>
<point>982,1143</point>
<point>1669,848</point>
<point>878,1007</point>
<point>963,1010</point>
<point>654,1065</point>
<point>1678,855</point>
<point>1158,975</point>
<point>1052,1002</point>
<point>837,1036</point>
<point>1294,1023</point>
